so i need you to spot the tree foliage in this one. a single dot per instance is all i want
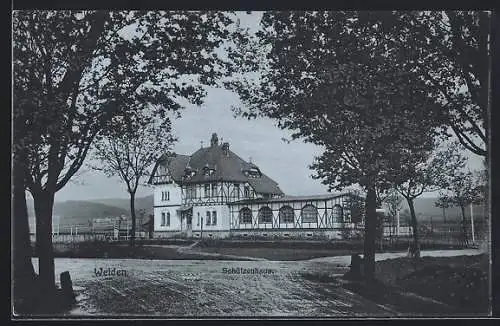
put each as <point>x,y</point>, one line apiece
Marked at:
<point>74,71</point>
<point>463,189</point>
<point>77,70</point>
<point>450,51</point>
<point>337,80</point>
<point>393,201</point>
<point>129,156</point>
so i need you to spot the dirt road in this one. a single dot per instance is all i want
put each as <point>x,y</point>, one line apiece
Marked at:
<point>194,288</point>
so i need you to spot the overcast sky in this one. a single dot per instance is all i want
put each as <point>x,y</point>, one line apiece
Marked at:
<point>259,139</point>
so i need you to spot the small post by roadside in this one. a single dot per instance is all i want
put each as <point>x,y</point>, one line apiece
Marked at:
<point>201,225</point>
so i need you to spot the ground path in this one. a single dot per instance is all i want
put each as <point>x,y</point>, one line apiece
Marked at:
<point>195,288</point>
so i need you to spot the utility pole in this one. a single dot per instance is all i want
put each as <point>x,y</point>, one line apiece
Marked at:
<point>472,222</point>
<point>397,223</point>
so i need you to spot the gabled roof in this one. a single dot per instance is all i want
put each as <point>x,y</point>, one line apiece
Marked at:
<point>228,167</point>
<point>175,163</point>
<point>224,164</point>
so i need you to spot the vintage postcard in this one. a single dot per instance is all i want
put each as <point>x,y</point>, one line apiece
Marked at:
<point>261,164</point>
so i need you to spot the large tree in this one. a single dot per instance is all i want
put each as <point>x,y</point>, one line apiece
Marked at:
<point>75,71</point>
<point>424,171</point>
<point>463,189</point>
<point>335,80</point>
<point>129,155</point>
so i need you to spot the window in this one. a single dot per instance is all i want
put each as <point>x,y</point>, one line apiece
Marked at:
<point>309,214</point>
<point>163,219</point>
<point>168,195</point>
<point>168,218</point>
<point>286,214</point>
<point>245,215</point>
<point>214,217</point>
<point>236,191</point>
<point>207,190</point>
<point>191,192</point>
<point>254,172</point>
<point>208,218</point>
<point>214,189</point>
<point>198,223</point>
<point>188,192</point>
<point>246,191</point>
<point>165,195</point>
<point>265,215</point>
<point>337,214</point>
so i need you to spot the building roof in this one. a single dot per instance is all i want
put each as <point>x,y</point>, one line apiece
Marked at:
<point>175,163</point>
<point>218,163</point>
<point>290,199</point>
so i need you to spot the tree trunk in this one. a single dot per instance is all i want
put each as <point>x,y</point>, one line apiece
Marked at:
<point>22,243</point>
<point>415,249</point>
<point>132,215</point>
<point>464,226</point>
<point>38,234</point>
<point>370,233</point>
<point>44,203</point>
<point>23,274</point>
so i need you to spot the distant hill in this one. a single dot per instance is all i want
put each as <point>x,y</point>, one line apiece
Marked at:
<point>80,212</point>
<point>425,208</point>
<point>145,203</point>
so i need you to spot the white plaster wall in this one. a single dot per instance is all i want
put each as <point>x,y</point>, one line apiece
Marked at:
<point>167,206</point>
<point>175,194</point>
<point>175,220</point>
<point>222,217</point>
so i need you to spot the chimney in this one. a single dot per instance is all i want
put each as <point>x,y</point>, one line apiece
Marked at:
<point>214,141</point>
<point>225,149</point>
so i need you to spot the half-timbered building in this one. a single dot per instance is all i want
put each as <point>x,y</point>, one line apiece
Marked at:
<point>215,193</point>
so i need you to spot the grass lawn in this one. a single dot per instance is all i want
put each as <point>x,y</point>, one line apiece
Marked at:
<point>281,250</point>
<point>278,253</point>
<point>297,249</point>
<point>446,286</point>
<point>461,282</point>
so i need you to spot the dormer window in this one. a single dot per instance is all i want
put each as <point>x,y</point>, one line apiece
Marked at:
<point>207,171</point>
<point>252,172</point>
